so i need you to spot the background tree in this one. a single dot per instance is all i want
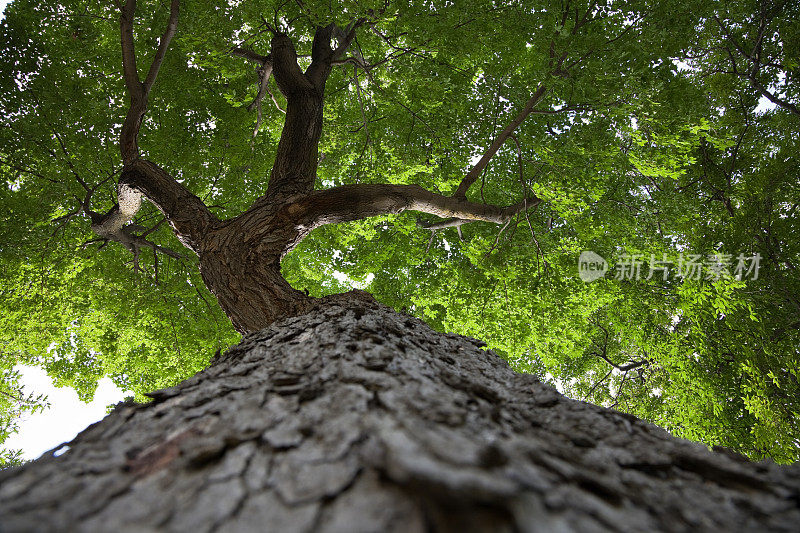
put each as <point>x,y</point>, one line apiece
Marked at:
<point>15,403</point>
<point>574,114</point>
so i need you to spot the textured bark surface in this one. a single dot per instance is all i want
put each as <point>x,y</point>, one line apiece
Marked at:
<point>355,418</point>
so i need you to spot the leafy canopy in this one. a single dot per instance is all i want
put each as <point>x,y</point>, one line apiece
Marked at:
<point>650,140</point>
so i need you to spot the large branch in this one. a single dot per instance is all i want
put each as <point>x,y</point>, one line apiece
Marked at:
<point>355,202</point>
<point>130,128</point>
<point>321,57</point>
<point>185,212</point>
<point>476,171</point>
<point>295,168</point>
<point>297,156</point>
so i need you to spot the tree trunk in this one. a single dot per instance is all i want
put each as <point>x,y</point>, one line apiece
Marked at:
<point>352,417</point>
<point>240,264</point>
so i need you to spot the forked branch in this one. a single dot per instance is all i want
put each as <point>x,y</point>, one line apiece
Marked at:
<point>185,212</point>
<point>288,76</point>
<point>138,91</point>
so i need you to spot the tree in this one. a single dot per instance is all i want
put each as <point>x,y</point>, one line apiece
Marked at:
<point>336,412</point>
<point>592,139</point>
<point>14,403</point>
<point>353,417</point>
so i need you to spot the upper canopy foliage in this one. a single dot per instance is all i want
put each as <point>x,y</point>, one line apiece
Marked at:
<point>649,140</point>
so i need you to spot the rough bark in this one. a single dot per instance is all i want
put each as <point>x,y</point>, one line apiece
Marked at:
<point>355,418</point>
<point>295,167</point>
<point>240,264</point>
